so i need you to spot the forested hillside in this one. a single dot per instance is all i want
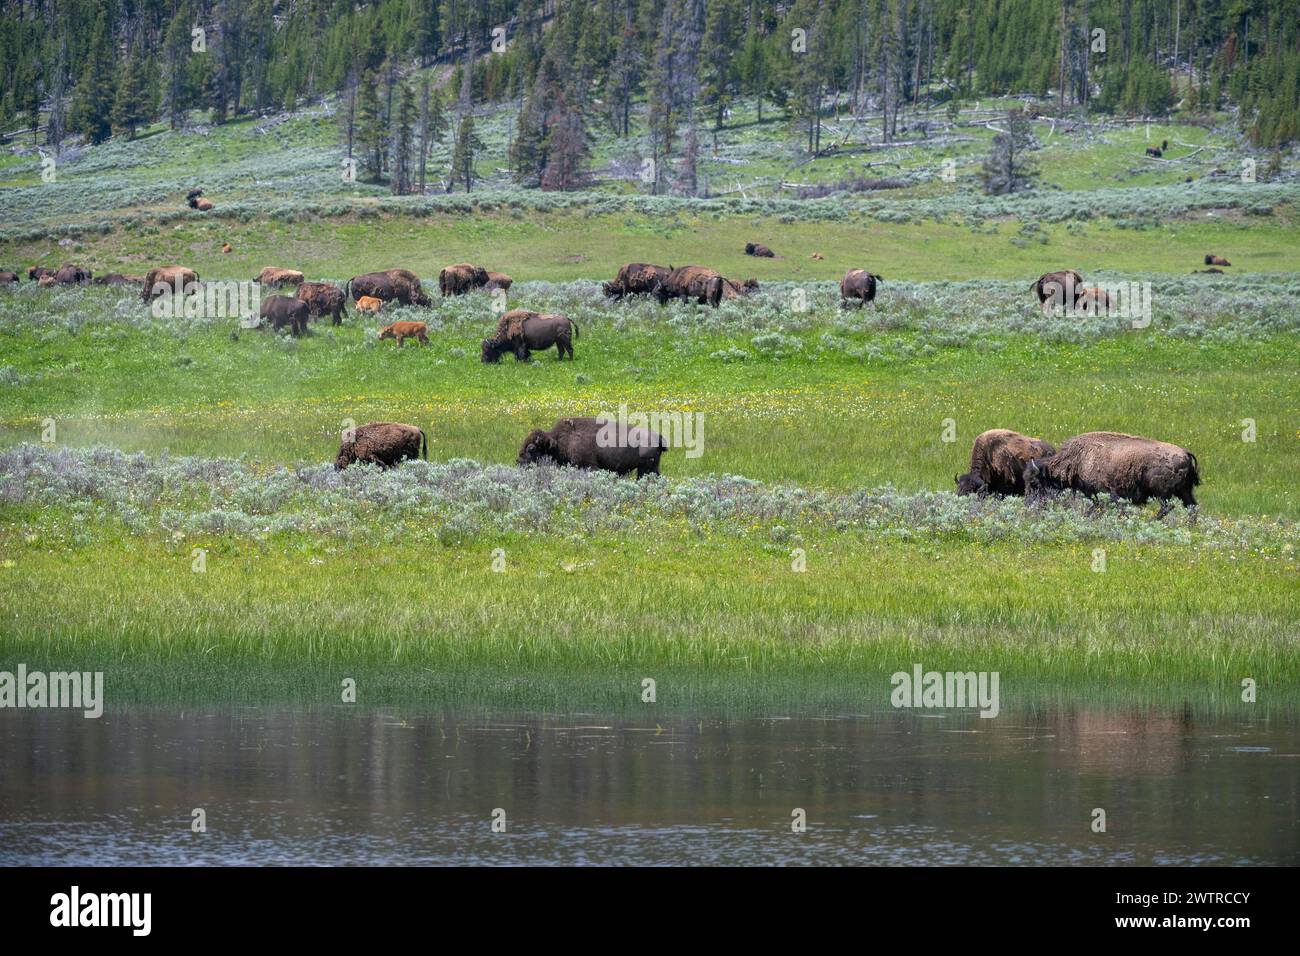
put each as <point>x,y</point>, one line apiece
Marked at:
<point>569,70</point>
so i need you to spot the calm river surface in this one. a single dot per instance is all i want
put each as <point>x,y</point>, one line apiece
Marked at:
<point>351,786</point>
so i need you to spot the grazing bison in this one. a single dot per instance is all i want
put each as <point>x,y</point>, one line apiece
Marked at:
<point>1092,301</point>
<point>731,289</point>
<point>997,463</point>
<point>1111,463</point>
<point>461,278</point>
<point>523,332</point>
<point>405,330</point>
<point>692,283</point>
<point>635,278</point>
<point>35,273</point>
<point>498,280</point>
<point>595,443</point>
<point>1216,261</point>
<point>760,250</point>
<point>1154,151</point>
<point>115,278</point>
<point>383,444</point>
<point>71,274</point>
<point>8,278</point>
<point>858,284</point>
<point>282,310</point>
<point>273,276</point>
<point>391,285</point>
<point>322,299</point>
<point>163,279</point>
<point>1057,288</point>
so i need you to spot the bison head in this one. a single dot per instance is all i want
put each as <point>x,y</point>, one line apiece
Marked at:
<point>347,455</point>
<point>537,446</point>
<point>493,350</point>
<point>1038,479</point>
<point>970,484</point>
<point>422,300</point>
<point>611,290</point>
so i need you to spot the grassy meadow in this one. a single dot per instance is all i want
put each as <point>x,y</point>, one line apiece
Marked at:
<point>812,549</point>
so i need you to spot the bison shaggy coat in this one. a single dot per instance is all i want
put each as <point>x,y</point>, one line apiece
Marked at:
<point>391,285</point>
<point>523,332</point>
<point>1125,466</point>
<point>858,284</point>
<point>498,280</point>
<point>760,250</point>
<point>163,279</point>
<point>1216,261</point>
<point>1057,288</point>
<point>323,299</point>
<point>282,310</point>
<point>274,276</point>
<point>383,444</point>
<point>636,278</point>
<point>461,278</point>
<point>696,284</point>
<point>405,330</point>
<point>71,274</point>
<point>997,463</point>
<point>595,443</point>
<point>36,272</point>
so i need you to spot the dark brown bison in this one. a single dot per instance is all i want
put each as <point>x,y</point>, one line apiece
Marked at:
<point>1057,288</point>
<point>523,332</point>
<point>391,285</point>
<point>36,272</point>
<point>275,276</point>
<point>381,443</point>
<point>323,299</point>
<point>498,280</point>
<point>193,194</point>
<point>1154,151</point>
<point>1125,466</point>
<point>1164,145</point>
<point>997,463</point>
<point>115,278</point>
<point>1216,261</point>
<point>692,283</point>
<point>760,250</point>
<point>859,285</point>
<point>8,278</point>
<point>461,278</point>
<point>282,310</point>
<point>636,278</point>
<point>161,280</point>
<point>599,443</point>
<point>71,274</point>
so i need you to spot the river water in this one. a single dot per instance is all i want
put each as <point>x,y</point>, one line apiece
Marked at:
<point>350,786</point>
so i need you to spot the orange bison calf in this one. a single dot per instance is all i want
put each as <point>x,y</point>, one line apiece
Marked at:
<point>997,463</point>
<point>406,330</point>
<point>368,303</point>
<point>381,443</point>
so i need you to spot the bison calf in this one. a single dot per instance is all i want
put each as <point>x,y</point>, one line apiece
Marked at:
<point>1125,466</point>
<point>383,444</point>
<point>997,463</point>
<point>405,330</point>
<point>595,443</point>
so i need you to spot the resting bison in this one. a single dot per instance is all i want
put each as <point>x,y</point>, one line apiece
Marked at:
<point>1126,466</point>
<point>1092,301</point>
<point>323,299</point>
<point>115,278</point>
<point>858,284</point>
<point>405,330</point>
<point>381,443</point>
<point>997,463</point>
<point>461,278</point>
<point>760,250</point>
<point>1216,261</point>
<point>391,285</point>
<point>163,279</point>
<point>45,281</point>
<point>70,274</point>
<point>1203,272</point>
<point>281,310</point>
<point>595,443</point>
<point>225,247</point>
<point>273,276</point>
<point>202,205</point>
<point>693,283</point>
<point>1057,288</point>
<point>499,280</point>
<point>193,194</point>
<point>1154,151</point>
<point>523,332</point>
<point>8,278</point>
<point>36,272</point>
<point>635,278</point>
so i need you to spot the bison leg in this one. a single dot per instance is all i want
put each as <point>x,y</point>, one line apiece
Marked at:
<point>1166,506</point>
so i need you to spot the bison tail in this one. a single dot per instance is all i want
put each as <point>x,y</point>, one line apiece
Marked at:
<point>1196,469</point>
<point>347,290</point>
<point>424,445</point>
<point>576,333</point>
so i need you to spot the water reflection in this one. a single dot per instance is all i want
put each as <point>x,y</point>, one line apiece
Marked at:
<point>343,785</point>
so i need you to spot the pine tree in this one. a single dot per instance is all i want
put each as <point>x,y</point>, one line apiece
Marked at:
<point>567,151</point>
<point>370,128</point>
<point>130,108</point>
<point>718,56</point>
<point>467,147</point>
<point>403,141</point>
<point>1008,168</point>
<point>93,113</point>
